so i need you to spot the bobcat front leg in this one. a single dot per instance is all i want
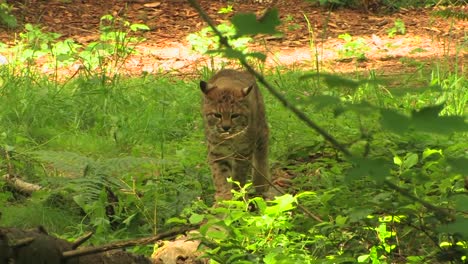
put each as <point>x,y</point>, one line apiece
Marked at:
<point>221,170</point>
<point>241,170</point>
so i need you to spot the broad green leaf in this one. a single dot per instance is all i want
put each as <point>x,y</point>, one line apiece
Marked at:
<point>175,220</point>
<point>259,203</point>
<point>228,53</point>
<point>332,80</point>
<point>257,55</point>
<point>358,214</point>
<point>461,203</point>
<point>196,218</point>
<point>457,227</point>
<point>429,152</point>
<point>217,234</point>
<point>410,160</point>
<point>428,120</point>
<point>378,169</point>
<point>397,160</point>
<point>363,258</point>
<point>341,220</point>
<point>458,165</point>
<point>247,23</point>
<point>394,121</point>
<point>136,27</point>
<point>270,258</point>
<point>282,203</point>
<point>322,101</point>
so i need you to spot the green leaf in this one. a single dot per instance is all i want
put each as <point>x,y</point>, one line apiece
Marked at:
<point>247,24</point>
<point>332,80</point>
<point>196,218</point>
<point>397,160</point>
<point>458,165</point>
<point>228,53</point>
<point>430,152</point>
<point>341,220</point>
<point>457,227</point>
<point>378,169</point>
<point>257,55</point>
<point>410,160</point>
<point>322,101</point>
<point>270,258</point>
<point>428,120</point>
<point>175,220</point>
<point>363,258</point>
<point>136,27</point>
<point>359,213</point>
<point>394,121</point>
<point>461,203</point>
<point>282,203</point>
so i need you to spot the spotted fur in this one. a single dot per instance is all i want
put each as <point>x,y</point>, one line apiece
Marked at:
<point>236,131</point>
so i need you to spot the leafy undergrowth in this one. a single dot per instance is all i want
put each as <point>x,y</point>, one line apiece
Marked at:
<point>122,158</point>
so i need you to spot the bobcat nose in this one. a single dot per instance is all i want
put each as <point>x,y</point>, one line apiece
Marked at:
<point>226,128</point>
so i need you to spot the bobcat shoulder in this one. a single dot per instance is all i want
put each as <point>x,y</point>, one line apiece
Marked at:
<point>236,131</point>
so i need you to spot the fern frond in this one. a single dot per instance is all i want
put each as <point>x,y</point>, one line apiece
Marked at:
<point>89,177</point>
<point>68,164</point>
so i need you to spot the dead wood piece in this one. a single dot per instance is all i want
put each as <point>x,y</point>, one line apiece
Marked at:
<point>79,241</point>
<point>22,242</point>
<point>33,246</point>
<point>181,250</point>
<point>20,185</point>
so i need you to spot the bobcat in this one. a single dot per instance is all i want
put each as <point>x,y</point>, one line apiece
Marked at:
<point>236,131</point>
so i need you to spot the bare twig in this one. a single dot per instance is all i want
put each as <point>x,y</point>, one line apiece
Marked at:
<point>81,240</point>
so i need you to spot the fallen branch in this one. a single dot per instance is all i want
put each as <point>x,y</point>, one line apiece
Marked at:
<point>127,243</point>
<point>81,240</point>
<point>20,185</point>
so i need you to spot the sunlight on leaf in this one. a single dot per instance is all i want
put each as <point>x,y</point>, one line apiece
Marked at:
<point>196,218</point>
<point>410,160</point>
<point>429,152</point>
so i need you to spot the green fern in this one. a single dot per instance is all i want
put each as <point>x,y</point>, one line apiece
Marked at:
<point>89,177</point>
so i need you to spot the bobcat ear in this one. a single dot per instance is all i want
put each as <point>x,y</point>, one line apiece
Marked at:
<point>205,87</point>
<point>246,90</point>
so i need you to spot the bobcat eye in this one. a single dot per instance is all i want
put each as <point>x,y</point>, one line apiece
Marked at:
<point>217,115</point>
<point>235,115</point>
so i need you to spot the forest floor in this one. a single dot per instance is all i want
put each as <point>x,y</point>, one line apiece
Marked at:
<point>428,38</point>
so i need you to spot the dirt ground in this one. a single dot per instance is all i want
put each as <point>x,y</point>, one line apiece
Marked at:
<point>428,38</point>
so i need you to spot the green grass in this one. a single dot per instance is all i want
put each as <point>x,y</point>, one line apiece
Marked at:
<point>143,139</point>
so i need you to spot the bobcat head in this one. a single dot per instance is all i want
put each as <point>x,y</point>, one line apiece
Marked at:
<point>226,106</point>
